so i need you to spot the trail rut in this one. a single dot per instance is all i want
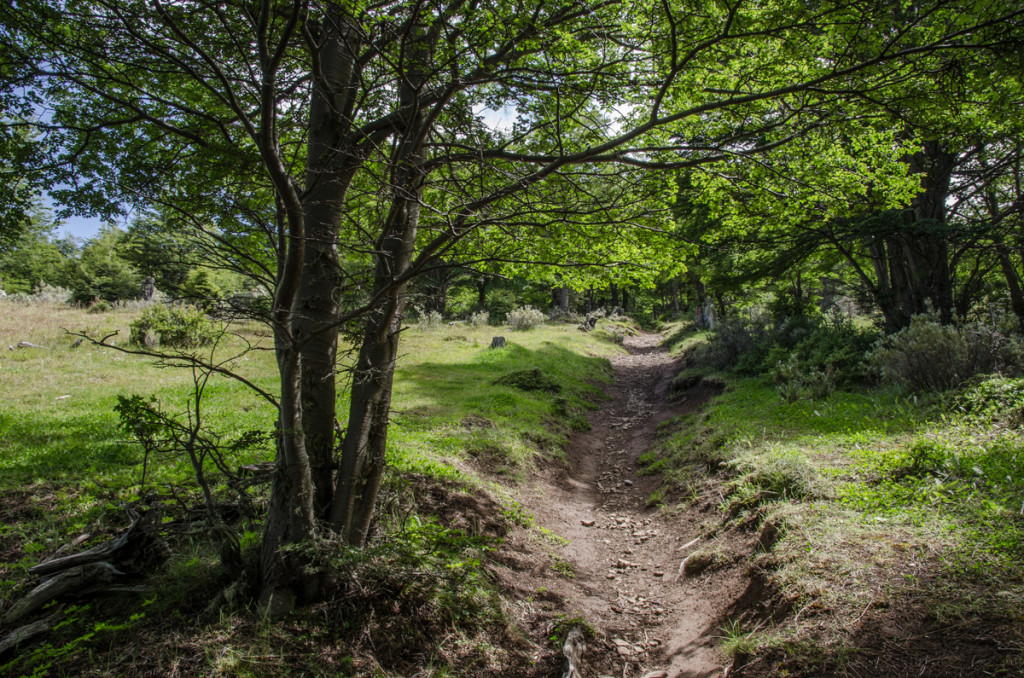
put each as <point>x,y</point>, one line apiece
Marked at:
<point>620,569</point>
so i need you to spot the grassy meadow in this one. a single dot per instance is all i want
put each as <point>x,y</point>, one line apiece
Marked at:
<point>67,468</point>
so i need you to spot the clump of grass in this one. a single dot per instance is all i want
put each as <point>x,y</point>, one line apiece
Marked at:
<point>529,380</point>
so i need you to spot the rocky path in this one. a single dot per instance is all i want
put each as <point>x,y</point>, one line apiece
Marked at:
<point>621,567</point>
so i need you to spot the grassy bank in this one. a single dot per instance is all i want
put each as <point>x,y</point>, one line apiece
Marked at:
<point>891,526</point>
<point>460,436</point>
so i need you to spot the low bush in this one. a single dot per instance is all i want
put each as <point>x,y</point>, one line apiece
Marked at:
<point>428,320</point>
<point>100,307</point>
<point>500,303</point>
<point>480,319</point>
<point>173,326</point>
<point>930,356</point>
<point>996,400</point>
<point>45,294</point>
<point>804,354</point>
<point>525,318</point>
<point>796,381</point>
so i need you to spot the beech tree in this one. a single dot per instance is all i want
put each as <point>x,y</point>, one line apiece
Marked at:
<point>350,140</point>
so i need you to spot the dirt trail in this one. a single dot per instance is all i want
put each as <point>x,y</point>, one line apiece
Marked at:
<point>625,557</point>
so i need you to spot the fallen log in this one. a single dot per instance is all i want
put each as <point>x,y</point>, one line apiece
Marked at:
<point>138,549</point>
<point>80,580</point>
<point>26,633</point>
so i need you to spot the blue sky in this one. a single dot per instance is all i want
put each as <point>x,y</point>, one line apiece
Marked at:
<point>80,227</point>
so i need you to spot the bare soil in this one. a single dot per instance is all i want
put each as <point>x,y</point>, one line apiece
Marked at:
<point>621,569</point>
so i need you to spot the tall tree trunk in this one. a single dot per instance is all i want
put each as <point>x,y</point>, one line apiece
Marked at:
<point>284,577</point>
<point>924,240</point>
<point>481,291</point>
<point>364,448</point>
<point>328,176</point>
<point>1013,281</point>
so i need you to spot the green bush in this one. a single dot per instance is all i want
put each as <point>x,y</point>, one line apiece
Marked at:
<point>831,346</point>
<point>173,326</point>
<point>929,356</point>
<point>525,318</point>
<point>428,320</point>
<point>100,307</point>
<point>796,381</point>
<point>995,400</point>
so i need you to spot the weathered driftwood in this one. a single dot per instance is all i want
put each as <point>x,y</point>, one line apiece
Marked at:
<point>573,648</point>
<point>26,633</point>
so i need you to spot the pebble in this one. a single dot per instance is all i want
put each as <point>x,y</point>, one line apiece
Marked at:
<point>659,573</point>
<point>587,523</point>
<point>656,674</point>
<point>628,482</point>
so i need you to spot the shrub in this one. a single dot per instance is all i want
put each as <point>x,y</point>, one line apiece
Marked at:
<point>429,320</point>
<point>480,319</point>
<point>832,347</point>
<point>525,318</point>
<point>46,294</point>
<point>796,381</point>
<point>995,400</point>
<point>735,338</point>
<point>929,356</point>
<point>100,307</point>
<point>175,327</point>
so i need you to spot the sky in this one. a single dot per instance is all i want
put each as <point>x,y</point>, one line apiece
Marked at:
<point>79,227</point>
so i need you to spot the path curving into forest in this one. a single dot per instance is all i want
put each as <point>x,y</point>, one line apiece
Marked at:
<point>621,565</point>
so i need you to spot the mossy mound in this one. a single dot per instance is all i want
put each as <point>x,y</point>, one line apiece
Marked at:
<point>529,380</point>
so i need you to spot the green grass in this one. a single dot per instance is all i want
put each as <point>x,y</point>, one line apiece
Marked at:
<point>884,502</point>
<point>66,468</point>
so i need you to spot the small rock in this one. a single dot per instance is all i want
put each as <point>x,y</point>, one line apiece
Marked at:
<point>622,563</point>
<point>619,642</point>
<point>696,563</point>
<point>659,573</point>
<point>628,482</point>
<point>587,523</point>
<point>616,609</point>
<point>625,651</point>
<point>656,674</point>
<point>610,575</point>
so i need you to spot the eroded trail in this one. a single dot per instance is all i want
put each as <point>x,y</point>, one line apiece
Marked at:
<point>620,569</point>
